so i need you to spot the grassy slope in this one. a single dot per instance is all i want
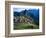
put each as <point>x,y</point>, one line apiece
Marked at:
<point>25,26</point>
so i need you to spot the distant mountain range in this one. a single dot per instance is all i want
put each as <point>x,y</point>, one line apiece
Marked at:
<point>34,13</point>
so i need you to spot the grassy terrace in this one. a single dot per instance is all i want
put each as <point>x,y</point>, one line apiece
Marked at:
<point>25,26</point>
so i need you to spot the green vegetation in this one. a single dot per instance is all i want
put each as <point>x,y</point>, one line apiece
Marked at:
<point>25,26</point>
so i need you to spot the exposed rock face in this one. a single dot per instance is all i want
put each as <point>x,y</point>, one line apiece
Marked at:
<point>22,19</point>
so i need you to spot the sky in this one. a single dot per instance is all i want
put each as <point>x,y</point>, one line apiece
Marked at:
<point>20,9</point>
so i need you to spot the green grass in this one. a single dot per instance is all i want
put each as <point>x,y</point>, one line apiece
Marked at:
<point>25,26</point>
